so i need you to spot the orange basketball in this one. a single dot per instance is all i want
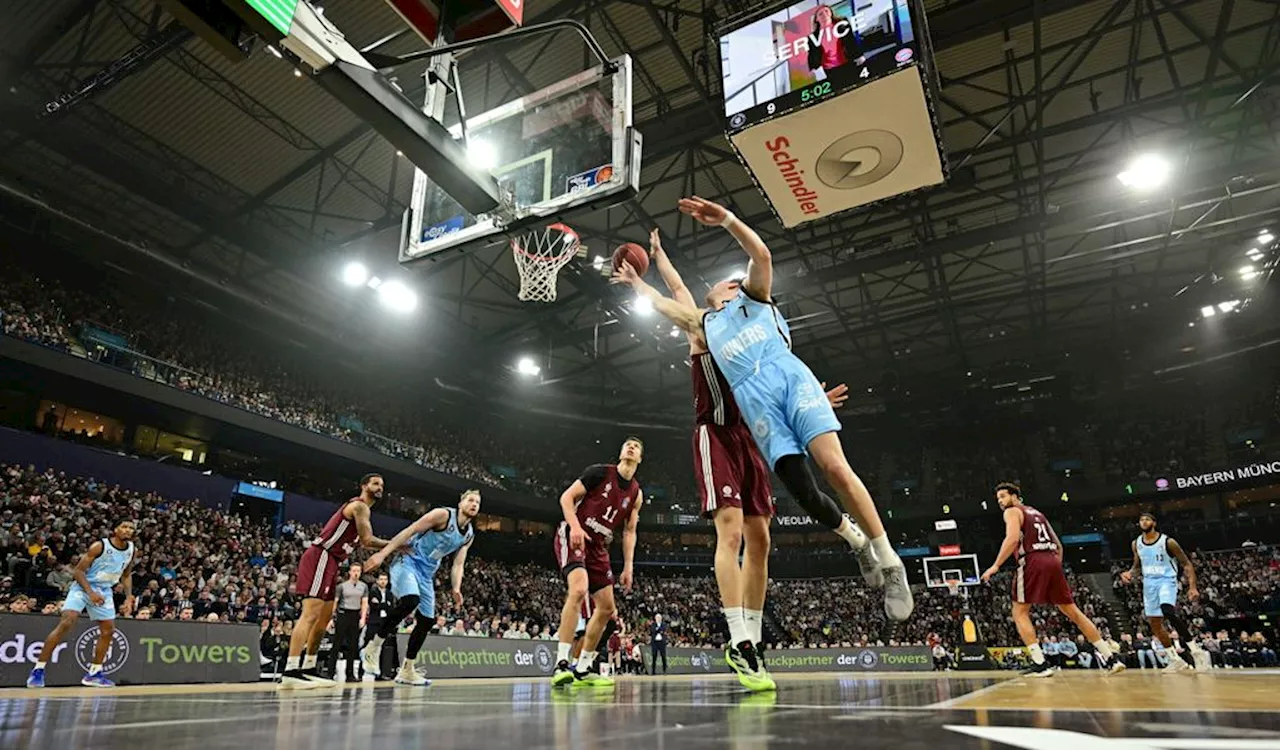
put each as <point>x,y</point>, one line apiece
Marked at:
<point>632,253</point>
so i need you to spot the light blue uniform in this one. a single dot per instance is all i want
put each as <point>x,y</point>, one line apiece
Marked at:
<point>103,574</point>
<point>414,571</point>
<point>1159,576</point>
<point>779,397</point>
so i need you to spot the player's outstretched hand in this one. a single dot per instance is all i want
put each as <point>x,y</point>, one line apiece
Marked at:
<point>374,561</point>
<point>655,244</point>
<point>1126,577</point>
<point>625,274</point>
<point>706,212</point>
<point>838,395</point>
<point>986,577</point>
<point>457,598</point>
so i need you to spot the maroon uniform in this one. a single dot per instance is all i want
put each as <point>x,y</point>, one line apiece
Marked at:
<point>609,501</point>
<point>1038,578</point>
<point>318,568</point>
<point>727,466</point>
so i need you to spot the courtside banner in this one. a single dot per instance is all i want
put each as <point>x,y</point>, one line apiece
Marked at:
<point>867,659</point>
<point>142,651</point>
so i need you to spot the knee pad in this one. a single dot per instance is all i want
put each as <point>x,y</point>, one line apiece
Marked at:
<point>410,602</point>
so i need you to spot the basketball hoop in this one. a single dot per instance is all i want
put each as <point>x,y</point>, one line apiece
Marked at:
<point>953,585</point>
<point>540,254</point>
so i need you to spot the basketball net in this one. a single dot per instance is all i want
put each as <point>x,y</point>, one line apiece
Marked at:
<point>539,255</point>
<point>953,585</point>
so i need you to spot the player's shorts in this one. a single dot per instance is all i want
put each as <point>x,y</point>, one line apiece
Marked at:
<point>317,574</point>
<point>592,557</point>
<point>410,579</point>
<point>1158,591</point>
<point>730,472</point>
<point>78,601</point>
<point>785,407</point>
<point>1039,580</point>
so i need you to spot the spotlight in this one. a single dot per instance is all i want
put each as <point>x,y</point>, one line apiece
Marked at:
<point>1266,237</point>
<point>526,366</point>
<point>675,333</point>
<point>1228,306</point>
<point>396,296</point>
<point>1207,311</point>
<point>482,154</point>
<point>1146,172</point>
<point>1255,255</point>
<point>1246,270</point>
<point>355,274</point>
<point>643,306</point>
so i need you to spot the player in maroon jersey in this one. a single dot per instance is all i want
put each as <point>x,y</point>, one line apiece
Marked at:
<point>317,576</point>
<point>1039,578</point>
<point>733,484</point>
<point>605,497</point>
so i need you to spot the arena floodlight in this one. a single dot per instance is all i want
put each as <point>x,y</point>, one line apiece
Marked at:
<point>482,154</point>
<point>643,306</point>
<point>1146,172</point>
<point>355,273</point>
<point>1229,305</point>
<point>397,297</point>
<point>1266,237</point>
<point>526,366</point>
<point>1207,311</point>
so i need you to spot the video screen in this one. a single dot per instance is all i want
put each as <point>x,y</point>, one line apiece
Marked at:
<point>847,42</point>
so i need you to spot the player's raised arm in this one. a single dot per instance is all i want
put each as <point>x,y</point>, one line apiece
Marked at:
<point>364,528</point>
<point>1193,592</point>
<point>1127,576</point>
<point>629,544</point>
<point>687,317</point>
<point>759,283</point>
<point>432,519</point>
<point>456,572</point>
<point>1012,533</point>
<point>670,276</point>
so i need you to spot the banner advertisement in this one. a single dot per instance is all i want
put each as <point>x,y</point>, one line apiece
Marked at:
<point>142,651</point>
<point>456,656</point>
<point>973,656</point>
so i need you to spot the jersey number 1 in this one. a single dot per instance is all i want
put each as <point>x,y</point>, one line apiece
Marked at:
<point>610,513</point>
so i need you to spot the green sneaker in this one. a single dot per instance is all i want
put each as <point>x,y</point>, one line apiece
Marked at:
<point>742,660</point>
<point>593,679</point>
<point>563,675</point>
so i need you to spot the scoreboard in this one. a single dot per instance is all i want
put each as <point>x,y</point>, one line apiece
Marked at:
<point>828,104</point>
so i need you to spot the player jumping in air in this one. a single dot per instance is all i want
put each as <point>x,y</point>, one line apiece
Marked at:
<point>733,484</point>
<point>605,497</point>
<point>317,575</point>
<point>1039,578</point>
<point>436,535</point>
<point>106,563</point>
<point>1153,554</point>
<point>781,400</point>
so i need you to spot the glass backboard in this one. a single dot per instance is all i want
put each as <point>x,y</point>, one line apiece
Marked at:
<point>567,148</point>
<point>962,568</point>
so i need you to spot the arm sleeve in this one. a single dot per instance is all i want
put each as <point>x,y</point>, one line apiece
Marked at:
<point>593,476</point>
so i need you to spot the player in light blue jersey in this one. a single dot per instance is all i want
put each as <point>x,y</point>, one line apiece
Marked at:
<point>436,535</point>
<point>781,401</point>
<point>107,562</point>
<point>1154,554</point>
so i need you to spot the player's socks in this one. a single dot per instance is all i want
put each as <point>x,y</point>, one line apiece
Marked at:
<point>737,622</point>
<point>95,669</point>
<point>1104,650</point>
<point>755,624</point>
<point>41,664</point>
<point>586,660</point>
<point>562,653</point>
<point>1037,653</point>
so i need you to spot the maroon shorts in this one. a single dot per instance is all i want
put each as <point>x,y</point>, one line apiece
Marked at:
<point>1039,579</point>
<point>594,558</point>
<point>317,573</point>
<point>730,472</point>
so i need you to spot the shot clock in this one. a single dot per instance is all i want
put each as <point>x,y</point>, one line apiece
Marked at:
<point>794,55</point>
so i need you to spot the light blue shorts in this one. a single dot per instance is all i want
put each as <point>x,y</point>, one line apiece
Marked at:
<point>785,407</point>
<point>1158,591</point>
<point>78,601</point>
<point>409,579</point>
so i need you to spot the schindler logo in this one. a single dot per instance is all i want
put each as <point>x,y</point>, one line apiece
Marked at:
<point>859,159</point>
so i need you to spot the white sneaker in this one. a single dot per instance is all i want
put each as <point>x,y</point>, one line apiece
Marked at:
<point>867,561</point>
<point>898,602</point>
<point>409,676</point>
<point>371,656</point>
<point>318,680</point>
<point>1117,666</point>
<point>289,682</point>
<point>1175,665</point>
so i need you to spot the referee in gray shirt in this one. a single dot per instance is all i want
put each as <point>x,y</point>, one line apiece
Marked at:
<point>352,610</point>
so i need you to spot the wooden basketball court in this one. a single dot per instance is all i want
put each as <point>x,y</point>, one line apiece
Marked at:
<point>1238,709</point>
